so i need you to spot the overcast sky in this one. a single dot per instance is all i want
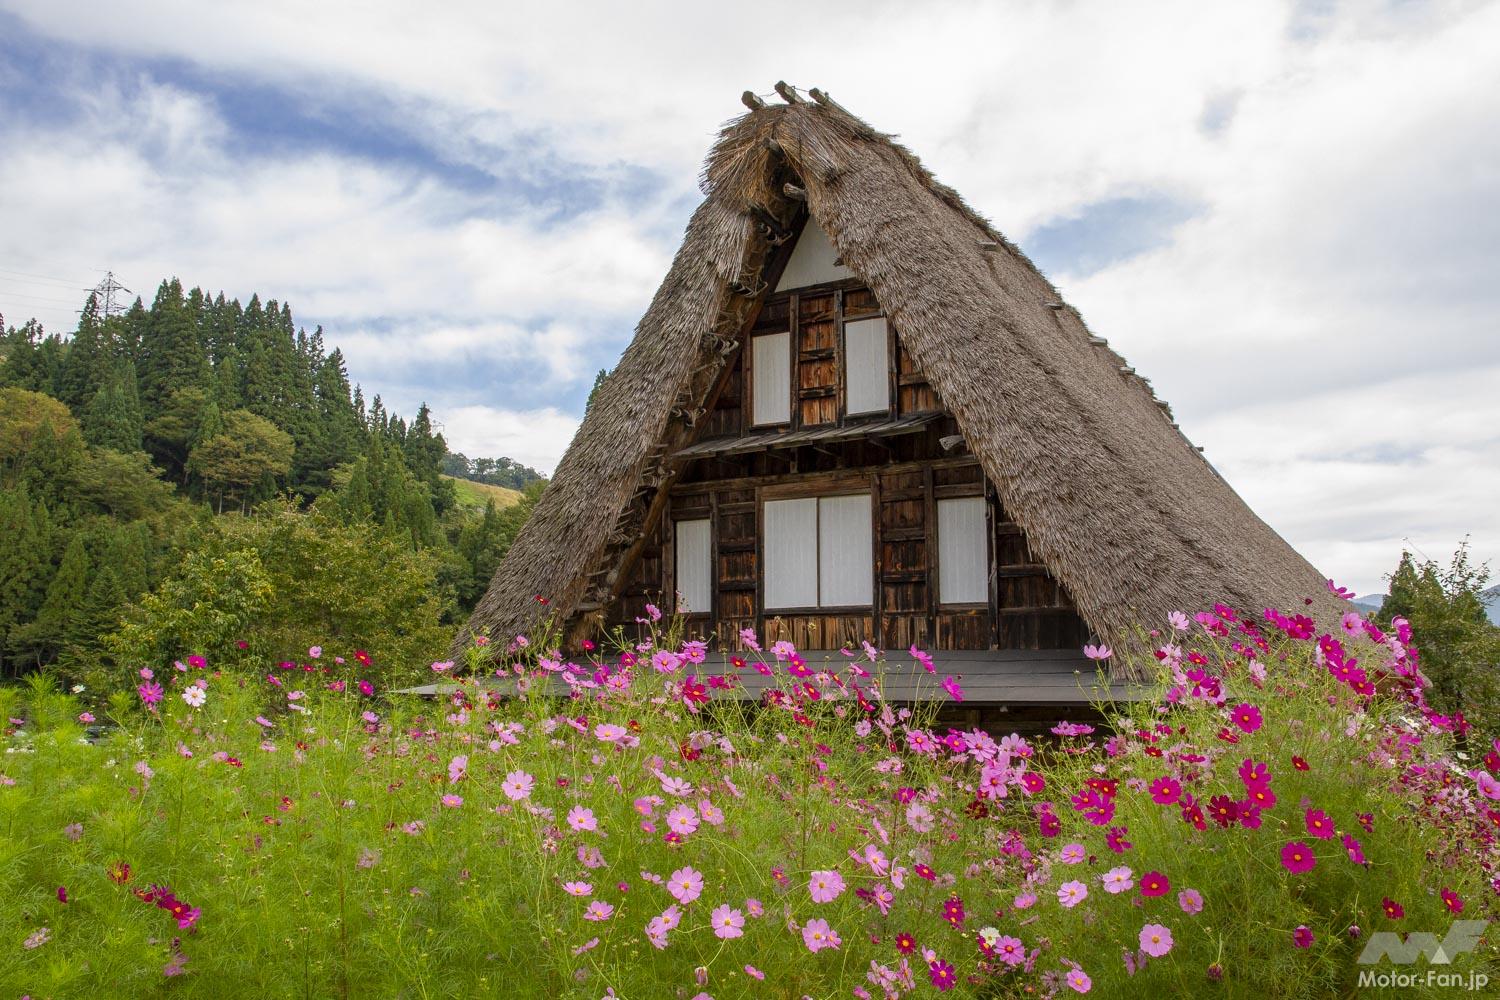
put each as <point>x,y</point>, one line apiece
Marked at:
<point>1287,215</point>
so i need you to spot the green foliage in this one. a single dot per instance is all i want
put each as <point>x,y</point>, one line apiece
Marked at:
<point>1460,645</point>
<point>39,438</point>
<point>113,418</point>
<point>283,580</point>
<point>247,457</point>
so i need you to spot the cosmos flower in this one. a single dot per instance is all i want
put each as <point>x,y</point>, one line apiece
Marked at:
<point>1154,884</point>
<point>686,884</point>
<point>1247,717</point>
<point>577,888</point>
<point>727,922</point>
<point>1191,901</point>
<point>1164,791</point>
<point>817,935</point>
<point>825,886</point>
<point>1079,982</point>
<point>517,786</point>
<point>582,818</point>
<point>942,975</point>
<point>194,696</point>
<point>1070,894</point>
<point>1302,937</point>
<point>1156,940</point>
<point>1393,910</point>
<point>1318,824</point>
<point>1297,857</point>
<point>1118,880</point>
<point>597,910</point>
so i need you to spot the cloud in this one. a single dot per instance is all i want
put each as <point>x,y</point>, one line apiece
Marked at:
<point>532,437</point>
<point>1286,214</point>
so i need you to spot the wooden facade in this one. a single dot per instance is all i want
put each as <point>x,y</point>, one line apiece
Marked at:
<point>907,459</point>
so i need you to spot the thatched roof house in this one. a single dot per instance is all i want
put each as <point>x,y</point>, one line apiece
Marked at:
<point>1092,502</point>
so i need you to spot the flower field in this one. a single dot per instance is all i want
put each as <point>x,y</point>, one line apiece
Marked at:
<point>621,825</point>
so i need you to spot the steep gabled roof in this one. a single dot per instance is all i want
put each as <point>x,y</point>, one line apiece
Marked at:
<point>1120,506</point>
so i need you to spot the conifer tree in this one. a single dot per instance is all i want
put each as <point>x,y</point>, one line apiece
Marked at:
<point>113,417</point>
<point>40,640</point>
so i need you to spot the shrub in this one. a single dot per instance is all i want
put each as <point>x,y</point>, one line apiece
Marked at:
<point>621,826</point>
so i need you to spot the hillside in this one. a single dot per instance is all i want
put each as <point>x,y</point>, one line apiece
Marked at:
<point>472,494</point>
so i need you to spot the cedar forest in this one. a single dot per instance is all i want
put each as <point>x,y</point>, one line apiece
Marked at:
<point>196,447</point>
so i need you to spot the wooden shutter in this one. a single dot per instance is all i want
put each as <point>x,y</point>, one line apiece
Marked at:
<point>694,564</point>
<point>771,364</point>
<point>846,570</point>
<point>791,552</point>
<point>963,556</point>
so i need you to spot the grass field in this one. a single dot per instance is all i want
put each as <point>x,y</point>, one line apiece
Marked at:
<point>472,494</point>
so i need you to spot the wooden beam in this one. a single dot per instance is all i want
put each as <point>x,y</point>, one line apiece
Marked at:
<point>788,93</point>
<point>749,100</point>
<point>794,192</point>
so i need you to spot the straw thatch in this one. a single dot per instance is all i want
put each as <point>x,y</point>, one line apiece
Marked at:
<point>1120,506</point>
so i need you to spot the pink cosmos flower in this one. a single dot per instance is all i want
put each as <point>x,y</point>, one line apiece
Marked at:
<point>598,910</point>
<point>577,888</point>
<point>1247,717</point>
<point>608,732</point>
<point>686,884</point>
<point>1010,950</point>
<point>453,801</point>
<point>1079,981</point>
<point>751,970</point>
<point>666,662</point>
<point>727,922</point>
<point>150,692</point>
<point>582,818</point>
<point>517,785</point>
<point>1297,857</point>
<point>1072,854</point>
<point>1070,894</point>
<point>1156,940</point>
<point>458,768</point>
<point>682,820</point>
<point>755,908</point>
<point>1118,880</point>
<point>711,814</point>
<point>1098,653</point>
<point>825,886</point>
<point>817,935</point>
<point>1191,901</point>
<point>955,692</point>
<point>1352,846</point>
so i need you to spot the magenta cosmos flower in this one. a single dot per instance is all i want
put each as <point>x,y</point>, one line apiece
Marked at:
<point>1156,940</point>
<point>1247,717</point>
<point>1318,824</point>
<point>942,975</point>
<point>1154,884</point>
<point>1164,791</point>
<point>825,886</point>
<point>1302,937</point>
<point>1297,857</point>
<point>817,935</point>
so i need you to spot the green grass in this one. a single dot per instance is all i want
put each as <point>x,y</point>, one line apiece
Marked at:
<point>472,494</point>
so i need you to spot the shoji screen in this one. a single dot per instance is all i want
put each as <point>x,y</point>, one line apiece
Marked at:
<point>867,367</point>
<point>846,570</point>
<point>791,551</point>
<point>694,564</point>
<point>963,556</point>
<point>771,366</point>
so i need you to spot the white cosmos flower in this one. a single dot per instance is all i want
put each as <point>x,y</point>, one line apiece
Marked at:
<point>195,696</point>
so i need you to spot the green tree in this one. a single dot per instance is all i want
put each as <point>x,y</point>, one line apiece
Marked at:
<point>1459,647</point>
<point>251,453</point>
<point>40,442</point>
<point>25,563</point>
<point>172,431</point>
<point>112,418</point>
<point>171,353</point>
<point>42,638</point>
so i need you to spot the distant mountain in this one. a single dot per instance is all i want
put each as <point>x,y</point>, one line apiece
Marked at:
<point>1369,602</point>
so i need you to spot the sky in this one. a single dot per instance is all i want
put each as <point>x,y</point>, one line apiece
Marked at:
<point>1285,214</point>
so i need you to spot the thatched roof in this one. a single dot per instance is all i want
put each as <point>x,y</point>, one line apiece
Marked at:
<point>1122,508</point>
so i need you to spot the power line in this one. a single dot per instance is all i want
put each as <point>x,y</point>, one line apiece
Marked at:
<point>34,278</point>
<point>107,289</point>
